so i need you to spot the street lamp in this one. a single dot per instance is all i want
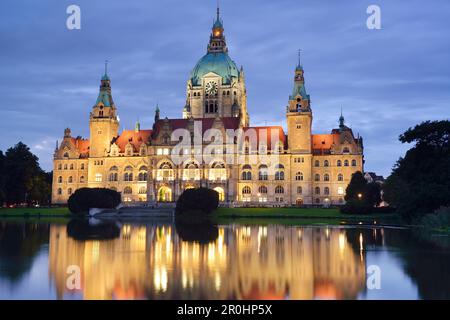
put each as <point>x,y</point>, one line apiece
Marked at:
<point>359,196</point>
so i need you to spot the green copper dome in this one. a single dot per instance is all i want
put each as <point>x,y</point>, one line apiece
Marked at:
<point>219,63</point>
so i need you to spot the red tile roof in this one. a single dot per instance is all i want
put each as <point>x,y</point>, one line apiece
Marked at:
<point>136,138</point>
<point>82,146</point>
<point>266,133</point>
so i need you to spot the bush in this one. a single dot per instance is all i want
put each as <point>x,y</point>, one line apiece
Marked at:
<point>86,198</point>
<point>439,219</point>
<point>356,207</point>
<point>201,199</point>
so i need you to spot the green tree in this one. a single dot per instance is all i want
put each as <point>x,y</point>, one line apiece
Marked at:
<point>25,181</point>
<point>420,181</point>
<point>2,179</point>
<point>360,196</point>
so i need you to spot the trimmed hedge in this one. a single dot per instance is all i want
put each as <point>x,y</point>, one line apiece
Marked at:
<point>86,198</point>
<point>201,199</point>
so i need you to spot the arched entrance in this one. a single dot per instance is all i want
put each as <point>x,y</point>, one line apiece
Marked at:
<point>164,194</point>
<point>299,202</point>
<point>221,193</point>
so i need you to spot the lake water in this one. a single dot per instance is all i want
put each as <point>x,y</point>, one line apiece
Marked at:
<point>162,260</point>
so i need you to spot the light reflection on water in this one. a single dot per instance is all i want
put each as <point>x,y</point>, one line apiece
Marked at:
<point>234,262</point>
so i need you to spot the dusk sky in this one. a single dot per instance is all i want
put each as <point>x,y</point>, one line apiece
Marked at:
<point>385,80</point>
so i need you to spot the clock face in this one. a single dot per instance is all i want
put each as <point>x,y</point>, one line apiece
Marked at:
<point>211,88</point>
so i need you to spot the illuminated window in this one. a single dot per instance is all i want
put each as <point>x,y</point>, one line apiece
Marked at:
<point>279,190</point>
<point>262,173</point>
<point>127,190</point>
<point>98,177</point>
<point>340,190</point>
<point>246,190</point>
<point>82,179</point>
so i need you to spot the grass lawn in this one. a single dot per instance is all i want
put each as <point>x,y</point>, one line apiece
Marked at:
<point>33,212</point>
<point>307,214</point>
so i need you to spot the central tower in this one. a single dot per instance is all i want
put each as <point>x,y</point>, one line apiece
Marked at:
<point>216,87</point>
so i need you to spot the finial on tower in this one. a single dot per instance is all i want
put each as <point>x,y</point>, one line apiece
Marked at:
<point>299,65</point>
<point>341,121</point>
<point>105,76</point>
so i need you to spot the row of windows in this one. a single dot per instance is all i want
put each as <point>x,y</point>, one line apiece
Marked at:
<point>69,166</point>
<point>280,189</point>
<point>126,190</point>
<point>70,179</point>
<point>113,176</point>
<point>326,163</point>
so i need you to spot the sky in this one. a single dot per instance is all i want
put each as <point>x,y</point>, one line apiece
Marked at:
<point>385,80</point>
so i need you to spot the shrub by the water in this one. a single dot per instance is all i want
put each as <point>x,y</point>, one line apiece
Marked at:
<point>356,207</point>
<point>86,198</point>
<point>200,200</point>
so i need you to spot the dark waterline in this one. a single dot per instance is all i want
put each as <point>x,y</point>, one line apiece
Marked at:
<point>161,260</point>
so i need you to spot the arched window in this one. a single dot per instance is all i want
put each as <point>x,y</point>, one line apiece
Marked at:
<point>339,163</point>
<point>299,176</point>
<point>59,191</point>
<point>70,180</point>
<point>326,191</point>
<point>127,190</point>
<point>71,166</point>
<point>279,189</point>
<point>262,172</point>
<point>247,167</point>
<point>113,176</point>
<point>345,163</point>
<point>59,179</point>
<point>246,190</point>
<point>317,163</point>
<point>317,177</point>
<point>326,163</point>
<point>142,190</point>
<point>128,176</point>
<point>346,150</point>
<point>82,179</point>
<point>246,175</point>
<point>317,200</point>
<point>60,166</point>
<point>326,177</point>
<point>218,171</point>
<point>69,191</point>
<point>299,190</point>
<point>353,163</point>
<point>262,189</point>
<point>279,175</point>
<point>317,190</point>
<point>279,166</point>
<point>340,177</point>
<point>142,176</point>
<point>82,166</point>
<point>65,166</point>
<point>114,168</point>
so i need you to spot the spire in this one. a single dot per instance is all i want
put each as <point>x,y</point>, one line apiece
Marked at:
<point>157,113</point>
<point>299,65</point>
<point>104,96</point>
<point>137,127</point>
<point>217,40</point>
<point>341,121</point>
<point>105,76</point>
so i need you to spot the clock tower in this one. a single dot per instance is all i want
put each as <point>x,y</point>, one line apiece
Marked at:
<point>216,87</point>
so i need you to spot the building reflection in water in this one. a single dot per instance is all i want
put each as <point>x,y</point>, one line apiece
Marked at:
<point>244,262</point>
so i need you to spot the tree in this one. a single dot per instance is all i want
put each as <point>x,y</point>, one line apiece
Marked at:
<point>2,179</point>
<point>420,181</point>
<point>23,179</point>
<point>360,196</point>
<point>84,199</point>
<point>201,199</point>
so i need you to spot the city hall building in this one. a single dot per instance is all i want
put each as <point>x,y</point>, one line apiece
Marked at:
<point>249,165</point>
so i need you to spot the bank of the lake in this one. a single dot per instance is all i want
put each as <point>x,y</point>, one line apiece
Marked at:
<point>225,215</point>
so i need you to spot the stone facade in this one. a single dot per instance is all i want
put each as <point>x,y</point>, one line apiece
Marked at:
<point>259,166</point>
